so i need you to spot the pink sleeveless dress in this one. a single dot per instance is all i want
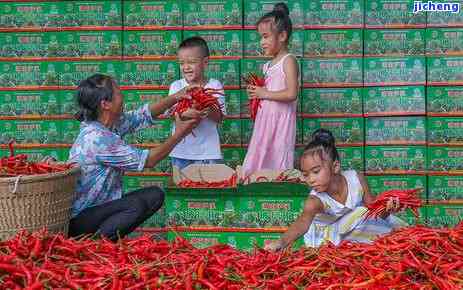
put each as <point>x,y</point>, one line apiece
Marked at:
<point>274,136</point>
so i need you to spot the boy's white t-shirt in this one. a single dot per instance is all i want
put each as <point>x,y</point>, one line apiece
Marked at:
<point>205,144</point>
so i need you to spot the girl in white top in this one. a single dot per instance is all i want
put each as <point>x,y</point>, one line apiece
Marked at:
<point>203,145</point>
<point>335,209</point>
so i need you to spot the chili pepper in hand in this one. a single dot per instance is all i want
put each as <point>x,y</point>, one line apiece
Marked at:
<point>406,199</point>
<point>252,79</point>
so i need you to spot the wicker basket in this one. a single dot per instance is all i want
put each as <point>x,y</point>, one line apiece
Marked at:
<point>37,201</point>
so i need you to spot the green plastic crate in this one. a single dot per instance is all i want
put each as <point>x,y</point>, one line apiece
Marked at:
<point>381,183</point>
<point>444,159</point>
<point>396,131</point>
<point>395,159</point>
<point>387,101</point>
<point>151,43</point>
<point>16,103</point>
<point>393,14</point>
<point>445,101</point>
<point>74,72</point>
<point>352,158</point>
<point>165,14</point>
<point>444,41</point>
<point>390,71</point>
<point>255,9</point>
<point>445,131</point>
<point>346,131</point>
<point>134,99</point>
<point>444,215</point>
<point>445,187</point>
<point>230,131</point>
<point>332,102</point>
<point>445,70</point>
<point>213,14</point>
<point>29,75</point>
<point>333,14</point>
<point>394,42</point>
<point>31,131</point>
<point>333,43</point>
<point>445,19</point>
<point>149,74</point>
<point>345,72</point>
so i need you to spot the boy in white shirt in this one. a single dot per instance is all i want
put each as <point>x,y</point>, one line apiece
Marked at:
<point>202,146</point>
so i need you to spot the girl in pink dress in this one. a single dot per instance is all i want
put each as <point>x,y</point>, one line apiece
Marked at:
<point>274,135</point>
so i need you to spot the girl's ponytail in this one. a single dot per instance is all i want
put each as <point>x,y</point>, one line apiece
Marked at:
<point>280,17</point>
<point>322,141</point>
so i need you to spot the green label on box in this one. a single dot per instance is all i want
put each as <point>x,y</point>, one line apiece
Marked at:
<point>132,183</point>
<point>395,159</point>
<point>230,131</point>
<point>396,100</point>
<point>30,44</point>
<point>445,19</point>
<point>333,13</point>
<point>68,102</point>
<point>252,47</point>
<point>444,215</point>
<point>445,158</point>
<point>149,73</point>
<point>75,72</point>
<point>93,13</point>
<point>381,183</point>
<point>233,156</point>
<point>155,134</point>
<point>15,103</point>
<point>93,43</point>
<point>345,130</point>
<point>335,43</point>
<point>135,99</point>
<point>211,209</point>
<point>233,102</point>
<point>445,130</point>
<point>445,187</point>
<point>30,132</point>
<point>394,42</point>
<point>255,9</point>
<point>408,216</point>
<point>392,14</point>
<point>212,12</point>
<point>70,130</point>
<point>151,43</point>
<point>444,41</point>
<point>261,212</point>
<point>247,126</point>
<point>351,158</point>
<point>395,71</point>
<point>38,154</point>
<point>29,74</point>
<point>226,71</point>
<point>445,100</point>
<point>445,70</point>
<point>332,101</point>
<point>32,14</point>
<point>220,42</point>
<point>330,72</point>
<point>396,130</point>
<point>157,220</point>
<point>153,13</point>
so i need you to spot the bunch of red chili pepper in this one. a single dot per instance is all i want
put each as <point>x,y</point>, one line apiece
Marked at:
<point>201,98</point>
<point>411,258</point>
<point>15,165</point>
<point>231,182</point>
<point>252,79</point>
<point>406,198</point>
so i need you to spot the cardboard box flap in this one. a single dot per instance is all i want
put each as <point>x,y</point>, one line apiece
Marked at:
<point>203,172</point>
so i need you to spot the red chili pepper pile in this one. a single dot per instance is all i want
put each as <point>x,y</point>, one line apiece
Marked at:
<point>231,182</point>
<point>18,165</point>
<point>407,199</point>
<point>252,79</point>
<point>411,258</point>
<point>201,98</point>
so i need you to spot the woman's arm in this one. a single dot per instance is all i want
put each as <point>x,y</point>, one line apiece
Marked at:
<point>312,206</point>
<point>291,69</point>
<point>367,196</point>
